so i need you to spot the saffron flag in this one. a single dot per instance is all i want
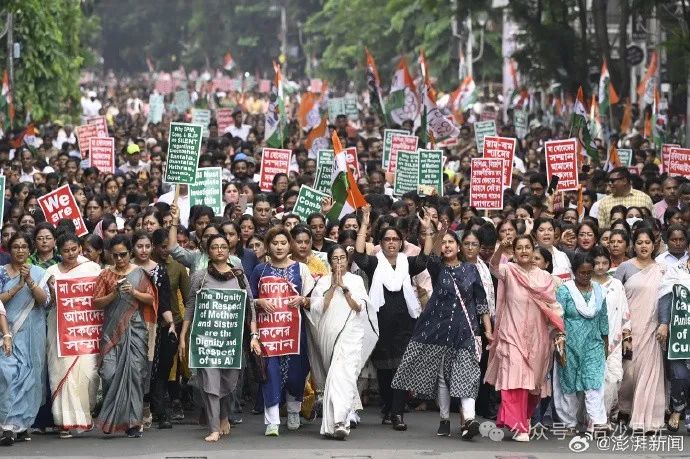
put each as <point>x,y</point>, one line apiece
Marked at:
<point>626,122</point>
<point>346,195</point>
<point>646,87</point>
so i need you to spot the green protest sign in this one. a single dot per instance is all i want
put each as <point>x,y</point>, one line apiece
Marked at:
<point>336,106</point>
<point>350,106</point>
<point>217,329</point>
<point>308,202</point>
<point>324,171</point>
<point>521,126</point>
<point>184,145</point>
<point>2,201</point>
<point>388,143</point>
<point>406,172</point>
<point>156,108</point>
<point>679,328</point>
<point>430,171</point>
<point>181,101</point>
<point>202,117</point>
<point>481,130</point>
<point>208,189</point>
<point>626,156</point>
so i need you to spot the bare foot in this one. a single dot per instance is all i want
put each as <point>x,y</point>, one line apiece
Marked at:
<point>225,427</point>
<point>213,437</point>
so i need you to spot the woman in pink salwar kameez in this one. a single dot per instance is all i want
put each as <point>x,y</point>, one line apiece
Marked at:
<point>527,319</point>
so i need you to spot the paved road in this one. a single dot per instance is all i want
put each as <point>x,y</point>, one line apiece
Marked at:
<point>371,440</point>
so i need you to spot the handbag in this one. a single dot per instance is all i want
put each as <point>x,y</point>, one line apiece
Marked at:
<point>477,339</point>
<point>259,365</point>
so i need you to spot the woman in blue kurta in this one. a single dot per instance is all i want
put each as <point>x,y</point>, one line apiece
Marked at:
<point>286,375</point>
<point>586,344</point>
<point>22,372</point>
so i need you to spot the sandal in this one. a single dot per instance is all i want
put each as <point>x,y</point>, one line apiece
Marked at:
<point>213,437</point>
<point>674,422</point>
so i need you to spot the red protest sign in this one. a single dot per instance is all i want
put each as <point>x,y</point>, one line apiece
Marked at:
<point>87,131</point>
<point>400,142</point>
<point>102,154</point>
<point>222,84</point>
<point>486,191</point>
<point>273,161</point>
<point>561,160</point>
<point>224,119</point>
<point>60,204</point>
<point>666,155</point>
<point>279,331</point>
<point>679,162</point>
<point>79,323</point>
<point>352,161</point>
<point>99,121</point>
<point>501,148</point>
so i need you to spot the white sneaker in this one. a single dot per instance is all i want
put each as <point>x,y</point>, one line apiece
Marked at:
<point>293,422</point>
<point>522,437</point>
<point>272,430</point>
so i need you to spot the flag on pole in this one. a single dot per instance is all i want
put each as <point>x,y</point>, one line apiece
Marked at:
<point>374,86</point>
<point>594,118</point>
<point>317,139</point>
<point>579,121</point>
<point>613,160</point>
<point>430,90</point>
<point>403,102</point>
<point>6,102</point>
<point>276,119</point>
<point>346,195</point>
<point>228,61</point>
<point>435,126</point>
<point>308,111</point>
<point>646,87</point>
<point>607,93</point>
<point>626,122</point>
<point>463,97</point>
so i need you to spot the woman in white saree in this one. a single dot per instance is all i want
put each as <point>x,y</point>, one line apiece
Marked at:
<point>345,336</point>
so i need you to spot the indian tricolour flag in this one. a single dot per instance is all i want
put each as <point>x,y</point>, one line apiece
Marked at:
<point>403,102</point>
<point>6,99</point>
<point>276,119</point>
<point>346,195</point>
<point>607,93</point>
<point>465,95</point>
<point>579,121</point>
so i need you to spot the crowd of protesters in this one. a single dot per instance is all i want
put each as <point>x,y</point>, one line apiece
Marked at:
<point>553,309</point>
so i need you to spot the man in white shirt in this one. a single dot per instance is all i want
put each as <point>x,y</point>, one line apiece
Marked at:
<point>134,163</point>
<point>182,202</point>
<point>238,129</point>
<point>90,105</point>
<point>677,241</point>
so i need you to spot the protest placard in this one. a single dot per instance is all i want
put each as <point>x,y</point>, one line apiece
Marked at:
<point>156,108</point>
<point>679,327</point>
<point>102,154</point>
<point>336,106</point>
<point>202,117</point>
<point>279,331</point>
<point>521,127</point>
<point>679,162</point>
<point>94,127</point>
<point>79,322</point>
<point>481,130</point>
<point>350,107</point>
<point>181,101</point>
<point>666,155</point>
<point>351,161</point>
<point>501,148</point>
<point>561,160</point>
<point>60,204</point>
<point>406,172</point>
<point>308,202</point>
<point>184,145</point>
<point>224,119</point>
<point>273,161</point>
<point>486,190</point>
<point>388,143</point>
<point>626,156</point>
<point>2,201</point>
<point>215,339</point>
<point>430,171</point>
<point>324,171</point>
<point>163,85</point>
<point>208,189</point>
<point>400,142</point>
<point>101,124</point>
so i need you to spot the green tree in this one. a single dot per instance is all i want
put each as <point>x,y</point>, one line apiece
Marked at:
<point>46,77</point>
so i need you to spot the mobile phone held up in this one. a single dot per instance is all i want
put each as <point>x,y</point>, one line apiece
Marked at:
<point>552,186</point>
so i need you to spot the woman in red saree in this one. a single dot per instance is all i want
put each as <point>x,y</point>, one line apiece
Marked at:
<point>527,315</point>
